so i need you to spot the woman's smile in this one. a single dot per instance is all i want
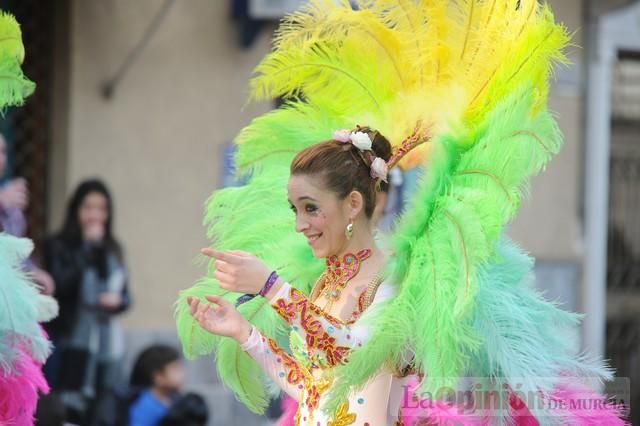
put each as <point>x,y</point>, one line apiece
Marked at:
<point>313,238</point>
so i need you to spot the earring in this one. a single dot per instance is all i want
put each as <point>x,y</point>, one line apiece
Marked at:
<point>348,232</point>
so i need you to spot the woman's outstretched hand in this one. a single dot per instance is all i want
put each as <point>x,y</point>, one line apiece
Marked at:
<point>238,271</point>
<point>220,317</point>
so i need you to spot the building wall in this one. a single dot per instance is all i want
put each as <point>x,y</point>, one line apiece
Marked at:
<point>158,141</point>
<point>549,223</point>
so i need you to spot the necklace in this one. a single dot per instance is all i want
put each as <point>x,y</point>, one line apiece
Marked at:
<point>339,273</point>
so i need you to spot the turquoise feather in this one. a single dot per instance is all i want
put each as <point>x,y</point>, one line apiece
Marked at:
<point>19,307</point>
<point>528,343</point>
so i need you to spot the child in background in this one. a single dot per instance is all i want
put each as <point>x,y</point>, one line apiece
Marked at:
<point>190,410</point>
<point>157,377</point>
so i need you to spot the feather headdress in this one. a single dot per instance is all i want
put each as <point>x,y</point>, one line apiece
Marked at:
<point>473,76</point>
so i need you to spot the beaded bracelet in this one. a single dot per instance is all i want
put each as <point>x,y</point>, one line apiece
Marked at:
<point>270,282</point>
<point>273,277</point>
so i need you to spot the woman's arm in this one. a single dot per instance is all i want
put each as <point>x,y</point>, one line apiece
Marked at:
<point>283,369</point>
<point>220,317</point>
<point>64,265</point>
<point>126,299</point>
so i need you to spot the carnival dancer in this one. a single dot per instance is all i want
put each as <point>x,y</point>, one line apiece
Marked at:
<point>459,87</point>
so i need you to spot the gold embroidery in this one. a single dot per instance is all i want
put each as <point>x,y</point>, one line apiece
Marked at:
<point>339,273</point>
<point>342,416</point>
<point>296,419</point>
<point>297,308</point>
<point>297,375</point>
<point>370,292</point>
<point>316,336</point>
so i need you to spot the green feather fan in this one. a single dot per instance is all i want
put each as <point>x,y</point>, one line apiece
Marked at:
<point>475,73</point>
<point>257,218</point>
<point>450,230</point>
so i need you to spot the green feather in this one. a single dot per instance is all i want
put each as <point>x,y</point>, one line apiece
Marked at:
<point>237,218</point>
<point>14,87</point>
<point>454,222</point>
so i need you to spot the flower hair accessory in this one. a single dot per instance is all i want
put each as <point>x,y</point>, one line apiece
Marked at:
<point>379,169</point>
<point>342,135</point>
<point>359,139</point>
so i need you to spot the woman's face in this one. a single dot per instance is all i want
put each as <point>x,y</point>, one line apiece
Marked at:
<point>93,211</point>
<point>320,215</point>
<point>171,377</point>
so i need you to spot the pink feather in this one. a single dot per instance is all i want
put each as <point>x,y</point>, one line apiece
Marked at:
<point>444,414</point>
<point>19,391</point>
<point>289,409</point>
<point>596,412</point>
<point>428,412</point>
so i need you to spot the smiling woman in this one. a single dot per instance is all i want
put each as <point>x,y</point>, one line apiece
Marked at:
<point>454,299</point>
<point>332,192</point>
<point>333,195</point>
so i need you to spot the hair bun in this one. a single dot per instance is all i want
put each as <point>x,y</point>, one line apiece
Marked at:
<point>380,145</point>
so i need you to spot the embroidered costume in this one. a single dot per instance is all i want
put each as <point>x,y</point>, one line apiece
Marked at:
<point>459,87</point>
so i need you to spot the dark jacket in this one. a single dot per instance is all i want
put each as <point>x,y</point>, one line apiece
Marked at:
<point>66,262</point>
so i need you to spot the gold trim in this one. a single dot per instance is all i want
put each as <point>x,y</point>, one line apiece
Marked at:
<point>372,289</point>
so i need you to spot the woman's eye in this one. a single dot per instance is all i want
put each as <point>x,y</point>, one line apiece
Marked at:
<point>310,208</point>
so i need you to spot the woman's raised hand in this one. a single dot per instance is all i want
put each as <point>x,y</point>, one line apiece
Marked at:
<point>238,271</point>
<point>219,317</point>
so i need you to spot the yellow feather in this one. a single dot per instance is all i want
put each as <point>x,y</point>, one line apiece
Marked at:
<point>391,63</point>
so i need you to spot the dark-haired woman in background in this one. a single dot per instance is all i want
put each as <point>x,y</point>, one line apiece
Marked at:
<point>87,264</point>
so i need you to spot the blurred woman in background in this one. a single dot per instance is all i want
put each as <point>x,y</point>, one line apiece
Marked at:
<point>87,264</point>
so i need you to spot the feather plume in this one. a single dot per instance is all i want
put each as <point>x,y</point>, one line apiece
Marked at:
<point>19,303</point>
<point>444,238</point>
<point>19,388</point>
<point>479,50</point>
<point>585,407</point>
<point>241,208</point>
<point>14,87</point>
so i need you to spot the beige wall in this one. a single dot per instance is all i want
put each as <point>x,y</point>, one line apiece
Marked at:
<point>157,141</point>
<point>549,223</point>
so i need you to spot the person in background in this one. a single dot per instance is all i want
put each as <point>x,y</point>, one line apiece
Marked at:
<point>14,199</point>
<point>87,264</point>
<point>189,410</point>
<point>51,411</point>
<point>156,380</point>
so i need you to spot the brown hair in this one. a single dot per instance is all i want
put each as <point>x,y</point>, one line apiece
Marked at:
<point>344,168</point>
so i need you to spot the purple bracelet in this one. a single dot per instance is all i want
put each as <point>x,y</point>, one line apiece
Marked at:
<point>273,277</point>
<point>270,282</point>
